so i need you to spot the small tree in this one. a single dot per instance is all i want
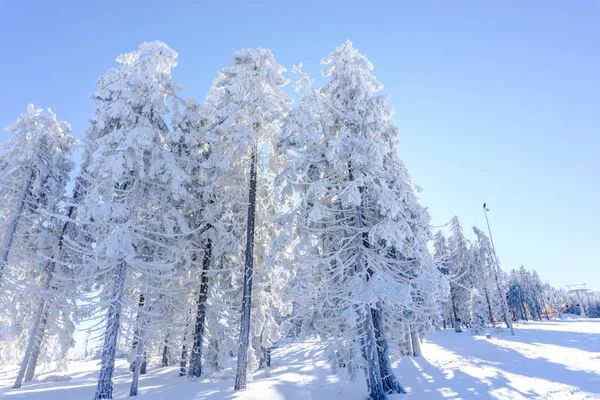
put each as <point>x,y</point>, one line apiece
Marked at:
<point>477,310</point>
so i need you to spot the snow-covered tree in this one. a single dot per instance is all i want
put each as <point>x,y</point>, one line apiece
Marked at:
<point>482,278</point>
<point>459,271</point>
<point>190,148</point>
<point>248,103</point>
<point>478,312</point>
<point>490,262</point>
<point>362,232</point>
<point>129,207</point>
<point>34,171</point>
<point>525,294</point>
<point>441,255</point>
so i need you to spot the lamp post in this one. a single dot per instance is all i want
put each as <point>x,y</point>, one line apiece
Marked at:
<point>499,278</point>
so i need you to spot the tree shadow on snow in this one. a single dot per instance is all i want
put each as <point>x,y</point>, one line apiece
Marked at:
<point>306,375</point>
<point>426,381</point>
<point>577,340</point>
<point>499,361</point>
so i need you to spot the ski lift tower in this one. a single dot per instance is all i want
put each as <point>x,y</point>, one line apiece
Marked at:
<point>579,290</point>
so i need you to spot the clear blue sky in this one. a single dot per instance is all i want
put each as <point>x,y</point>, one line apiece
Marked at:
<point>497,103</point>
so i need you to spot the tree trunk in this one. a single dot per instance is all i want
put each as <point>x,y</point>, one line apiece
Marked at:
<point>453,303</point>
<point>36,334</point>
<point>416,344</point>
<point>183,361</point>
<point>369,351</point>
<point>33,336</point>
<point>14,222</point>
<point>140,356</point>
<point>166,356</point>
<point>184,350</point>
<point>524,312</point>
<point>241,378</point>
<point>37,347</point>
<point>487,299</point>
<point>408,342</point>
<point>213,361</point>
<point>390,383</point>
<point>195,368</point>
<point>136,332</point>
<point>105,384</point>
<point>296,322</point>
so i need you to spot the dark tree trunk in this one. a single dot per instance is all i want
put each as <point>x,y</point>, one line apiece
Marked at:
<point>213,361</point>
<point>241,378</point>
<point>105,386</point>
<point>369,352</point>
<point>184,349</point>
<point>390,383</point>
<point>136,332</point>
<point>32,364</point>
<point>183,361</point>
<point>166,356</point>
<point>524,313</point>
<point>456,320</point>
<point>453,303</point>
<point>144,365</point>
<point>487,299</point>
<point>195,367</point>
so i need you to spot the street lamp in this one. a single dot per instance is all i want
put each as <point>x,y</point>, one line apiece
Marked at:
<point>507,318</point>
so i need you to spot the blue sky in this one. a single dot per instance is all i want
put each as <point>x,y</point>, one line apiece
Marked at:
<point>497,103</point>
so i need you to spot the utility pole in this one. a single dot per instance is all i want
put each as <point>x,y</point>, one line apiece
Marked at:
<point>499,278</point>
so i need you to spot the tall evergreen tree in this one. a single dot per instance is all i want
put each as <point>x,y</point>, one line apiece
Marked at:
<point>248,105</point>
<point>490,259</point>
<point>132,175</point>
<point>34,171</point>
<point>363,234</point>
<point>459,270</point>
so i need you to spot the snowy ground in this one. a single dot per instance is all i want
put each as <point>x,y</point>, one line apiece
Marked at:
<point>559,359</point>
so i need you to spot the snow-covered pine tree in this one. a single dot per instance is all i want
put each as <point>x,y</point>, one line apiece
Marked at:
<point>478,312</point>
<point>362,233</point>
<point>248,104</point>
<point>34,170</point>
<point>525,294</point>
<point>128,206</point>
<point>58,291</point>
<point>482,279</point>
<point>533,294</point>
<point>36,158</point>
<point>490,261</point>
<point>214,244</point>
<point>459,270</point>
<point>514,296</point>
<point>301,143</point>
<point>191,150</point>
<point>441,255</point>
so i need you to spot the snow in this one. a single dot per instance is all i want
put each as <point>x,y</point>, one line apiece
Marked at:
<point>557,359</point>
